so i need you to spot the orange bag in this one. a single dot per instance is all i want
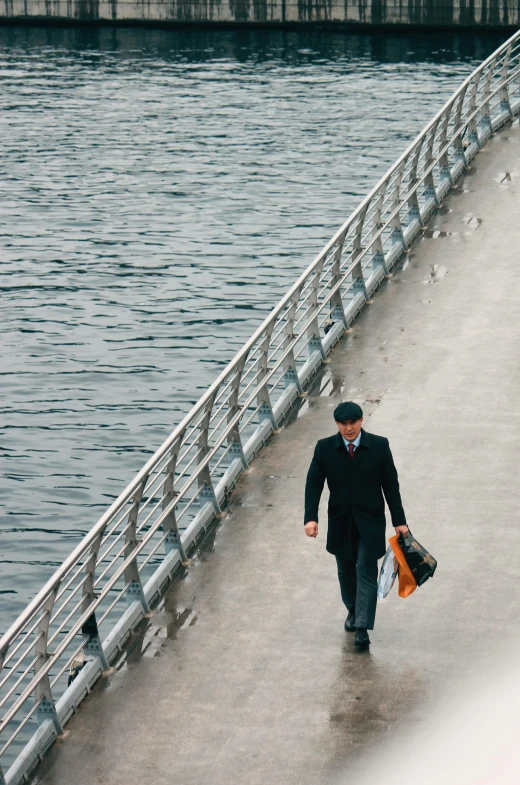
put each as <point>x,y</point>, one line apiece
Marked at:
<point>407,583</point>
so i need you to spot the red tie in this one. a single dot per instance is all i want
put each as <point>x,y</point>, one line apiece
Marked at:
<point>351,450</point>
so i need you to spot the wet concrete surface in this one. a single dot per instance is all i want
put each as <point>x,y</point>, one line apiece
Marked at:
<point>245,675</point>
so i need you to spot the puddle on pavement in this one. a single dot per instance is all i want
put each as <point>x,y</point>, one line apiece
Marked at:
<point>470,220</point>
<point>504,178</point>
<point>168,626</point>
<point>255,505</point>
<point>434,234</point>
<point>168,620</point>
<point>473,222</point>
<point>458,190</point>
<point>151,639</point>
<point>333,384</point>
<point>327,383</point>
<point>437,273</point>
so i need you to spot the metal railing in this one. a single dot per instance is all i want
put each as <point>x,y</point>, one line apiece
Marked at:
<point>78,623</point>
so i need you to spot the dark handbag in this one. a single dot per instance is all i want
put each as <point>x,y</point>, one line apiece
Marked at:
<point>421,563</point>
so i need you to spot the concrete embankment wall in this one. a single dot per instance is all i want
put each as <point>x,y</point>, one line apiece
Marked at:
<point>428,13</point>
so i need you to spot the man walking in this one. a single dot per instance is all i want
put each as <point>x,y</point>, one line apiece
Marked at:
<point>359,469</point>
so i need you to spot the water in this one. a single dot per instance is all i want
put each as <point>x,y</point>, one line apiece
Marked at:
<point>159,191</point>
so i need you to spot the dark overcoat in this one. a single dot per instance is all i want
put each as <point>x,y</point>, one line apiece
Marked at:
<point>356,488</point>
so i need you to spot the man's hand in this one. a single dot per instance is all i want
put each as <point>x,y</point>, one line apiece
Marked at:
<point>311,528</point>
<point>402,530</point>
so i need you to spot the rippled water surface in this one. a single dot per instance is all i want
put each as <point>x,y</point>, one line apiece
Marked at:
<point>159,191</point>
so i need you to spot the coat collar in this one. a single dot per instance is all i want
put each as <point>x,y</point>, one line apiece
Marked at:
<point>365,440</point>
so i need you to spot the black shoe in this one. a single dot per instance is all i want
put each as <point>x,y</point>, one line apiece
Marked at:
<point>362,640</point>
<point>350,622</point>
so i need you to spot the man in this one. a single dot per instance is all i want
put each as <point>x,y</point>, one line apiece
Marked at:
<point>359,469</point>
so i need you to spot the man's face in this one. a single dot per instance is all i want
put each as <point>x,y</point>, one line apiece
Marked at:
<point>350,429</point>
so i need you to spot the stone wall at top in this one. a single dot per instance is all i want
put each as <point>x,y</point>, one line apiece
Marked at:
<point>428,13</point>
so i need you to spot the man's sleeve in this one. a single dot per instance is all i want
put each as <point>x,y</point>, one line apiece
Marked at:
<point>390,485</point>
<point>314,486</point>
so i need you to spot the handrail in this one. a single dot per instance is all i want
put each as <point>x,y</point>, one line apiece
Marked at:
<point>182,488</point>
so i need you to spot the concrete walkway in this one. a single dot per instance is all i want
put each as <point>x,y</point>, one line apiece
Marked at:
<point>246,675</point>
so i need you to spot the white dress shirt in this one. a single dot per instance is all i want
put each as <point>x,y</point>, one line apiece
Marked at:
<point>355,442</point>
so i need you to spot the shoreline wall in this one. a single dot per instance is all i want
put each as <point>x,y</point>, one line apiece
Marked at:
<point>355,14</point>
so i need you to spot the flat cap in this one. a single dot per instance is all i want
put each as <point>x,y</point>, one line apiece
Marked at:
<point>348,411</point>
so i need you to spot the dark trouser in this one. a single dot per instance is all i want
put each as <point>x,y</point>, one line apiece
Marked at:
<point>358,584</point>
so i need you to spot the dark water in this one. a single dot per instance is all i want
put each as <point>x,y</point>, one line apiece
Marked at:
<point>159,191</point>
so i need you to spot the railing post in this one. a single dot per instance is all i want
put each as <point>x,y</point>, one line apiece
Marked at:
<point>93,647</point>
<point>431,190</point>
<point>473,137</point>
<point>205,482</point>
<point>485,119</point>
<point>290,372</point>
<point>445,171</point>
<point>358,279</point>
<point>458,147</point>
<point>378,255</point>
<point>234,438</point>
<point>414,211</point>
<point>337,311</point>
<point>313,330</point>
<point>396,235</point>
<point>131,575</point>
<point>505,104</point>
<point>263,400</point>
<point>169,525</point>
<point>43,691</point>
